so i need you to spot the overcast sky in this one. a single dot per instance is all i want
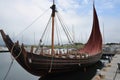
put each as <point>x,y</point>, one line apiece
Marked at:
<point>17,15</point>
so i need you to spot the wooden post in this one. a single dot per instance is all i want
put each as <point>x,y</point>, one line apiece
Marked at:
<point>53,15</point>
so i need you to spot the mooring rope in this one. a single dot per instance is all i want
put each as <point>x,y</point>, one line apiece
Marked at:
<point>51,63</point>
<point>115,74</point>
<point>12,61</point>
<point>9,69</point>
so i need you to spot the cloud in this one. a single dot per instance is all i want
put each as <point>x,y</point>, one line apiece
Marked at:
<point>111,29</point>
<point>16,15</point>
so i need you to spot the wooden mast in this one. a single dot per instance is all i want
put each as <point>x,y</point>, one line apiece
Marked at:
<point>53,15</point>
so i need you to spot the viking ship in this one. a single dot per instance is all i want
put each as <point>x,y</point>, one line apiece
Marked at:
<point>51,59</point>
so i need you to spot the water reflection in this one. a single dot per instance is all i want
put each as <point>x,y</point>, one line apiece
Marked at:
<point>76,75</point>
<point>18,73</point>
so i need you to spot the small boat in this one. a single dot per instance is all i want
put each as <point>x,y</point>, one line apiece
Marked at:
<point>53,60</point>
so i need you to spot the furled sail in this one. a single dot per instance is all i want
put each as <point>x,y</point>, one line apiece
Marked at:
<point>94,44</point>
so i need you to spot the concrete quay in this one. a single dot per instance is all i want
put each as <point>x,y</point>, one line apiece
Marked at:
<point>111,71</point>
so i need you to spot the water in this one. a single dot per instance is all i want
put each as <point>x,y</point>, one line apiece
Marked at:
<point>18,73</point>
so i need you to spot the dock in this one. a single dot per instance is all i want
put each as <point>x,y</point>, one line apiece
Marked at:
<point>111,71</point>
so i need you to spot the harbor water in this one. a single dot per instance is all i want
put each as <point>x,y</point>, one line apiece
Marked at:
<point>18,73</point>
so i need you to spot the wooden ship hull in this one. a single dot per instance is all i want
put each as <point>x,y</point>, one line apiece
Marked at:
<point>43,64</point>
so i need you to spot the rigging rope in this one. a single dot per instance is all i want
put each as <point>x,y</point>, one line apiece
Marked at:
<point>43,35</point>
<point>57,31</point>
<point>45,29</point>
<point>67,32</point>
<point>32,22</point>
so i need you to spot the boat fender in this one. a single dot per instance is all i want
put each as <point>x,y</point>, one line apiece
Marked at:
<point>30,60</point>
<point>87,55</point>
<point>83,56</point>
<point>79,64</point>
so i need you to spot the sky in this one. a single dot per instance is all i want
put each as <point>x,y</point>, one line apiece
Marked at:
<point>25,20</point>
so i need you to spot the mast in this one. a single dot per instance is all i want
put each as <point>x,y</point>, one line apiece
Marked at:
<point>53,7</point>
